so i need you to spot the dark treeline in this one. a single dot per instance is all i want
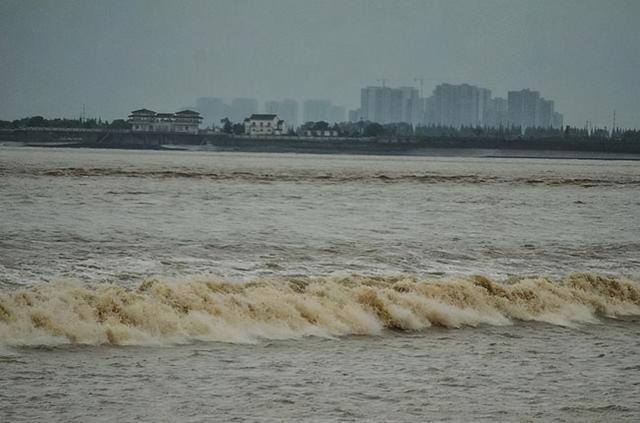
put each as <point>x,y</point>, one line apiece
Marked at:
<point>358,129</point>
<point>41,122</point>
<point>401,129</point>
<point>229,127</point>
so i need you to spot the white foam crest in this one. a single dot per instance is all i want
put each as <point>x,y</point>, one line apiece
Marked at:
<point>160,312</point>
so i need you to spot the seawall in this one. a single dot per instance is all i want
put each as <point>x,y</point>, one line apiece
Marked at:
<point>284,144</point>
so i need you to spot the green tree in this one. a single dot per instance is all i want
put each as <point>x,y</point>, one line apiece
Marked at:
<point>238,129</point>
<point>36,122</point>
<point>321,126</point>
<point>373,129</point>
<point>119,124</point>
<point>227,126</point>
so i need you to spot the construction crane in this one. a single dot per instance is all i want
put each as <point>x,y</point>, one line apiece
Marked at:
<point>421,81</point>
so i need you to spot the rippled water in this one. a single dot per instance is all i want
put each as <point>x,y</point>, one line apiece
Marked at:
<point>124,215</point>
<point>193,286</point>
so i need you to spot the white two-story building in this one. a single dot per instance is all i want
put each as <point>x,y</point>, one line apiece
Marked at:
<point>264,124</point>
<point>185,121</point>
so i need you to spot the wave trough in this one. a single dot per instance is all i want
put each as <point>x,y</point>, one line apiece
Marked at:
<point>161,312</point>
<point>335,177</point>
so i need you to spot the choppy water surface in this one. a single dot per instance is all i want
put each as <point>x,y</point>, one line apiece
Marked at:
<point>176,286</point>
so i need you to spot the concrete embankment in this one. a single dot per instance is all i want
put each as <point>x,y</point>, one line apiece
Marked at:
<point>98,138</point>
<point>285,144</point>
<point>414,145</point>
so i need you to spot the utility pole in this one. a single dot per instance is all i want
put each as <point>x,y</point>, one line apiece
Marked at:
<point>83,110</point>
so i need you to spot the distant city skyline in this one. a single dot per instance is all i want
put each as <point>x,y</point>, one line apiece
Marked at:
<point>113,57</point>
<point>448,105</point>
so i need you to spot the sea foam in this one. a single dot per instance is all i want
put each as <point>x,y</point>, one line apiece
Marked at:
<point>161,312</point>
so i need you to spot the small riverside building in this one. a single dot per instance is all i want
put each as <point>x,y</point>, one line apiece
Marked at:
<point>321,133</point>
<point>264,124</point>
<point>145,120</point>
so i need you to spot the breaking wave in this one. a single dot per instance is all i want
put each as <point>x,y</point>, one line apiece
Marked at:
<point>426,178</point>
<point>160,312</point>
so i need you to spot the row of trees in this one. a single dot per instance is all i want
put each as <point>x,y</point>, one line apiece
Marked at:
<point>41,122</point>
<point>401,129</point>
<point>229,127</point>
<point>357,129</point>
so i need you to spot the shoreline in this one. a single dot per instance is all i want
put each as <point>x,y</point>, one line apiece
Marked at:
<point>549,148</point>
<point>529,154</point>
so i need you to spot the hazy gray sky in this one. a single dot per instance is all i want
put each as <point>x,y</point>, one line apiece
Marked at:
<point>116,56</point>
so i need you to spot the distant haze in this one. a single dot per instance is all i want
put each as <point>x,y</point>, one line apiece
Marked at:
<point>116,56</point>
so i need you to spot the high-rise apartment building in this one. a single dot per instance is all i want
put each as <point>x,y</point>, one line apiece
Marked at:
<point>375,104</point>
<point>528,109</point>
<point>497,113</point>
<point>523,107</point>
<point>272,107</point>
<point>212,109</point>
<point>316,110</point>
<point>411,106</point>
<point>458,105</point>
<point>558,120</point>
<point>355,115</point>
<point>544,113</point>
<point>286,109</point>
<point>391,105</point>
<point>336,114</point>
<point>241,108</point>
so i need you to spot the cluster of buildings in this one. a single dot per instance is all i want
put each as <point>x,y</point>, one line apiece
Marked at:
<point>323,110</point>
<point>287,109</point>
<point>214,109</point>
<point>188,122</point>
<point>456,106</point>
<point>527,109</point>
<point>145,120</point>
<point>389,105</point>
<point>449,105</point>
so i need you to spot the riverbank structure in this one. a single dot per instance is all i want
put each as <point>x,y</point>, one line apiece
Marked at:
<point>264,124</point>
<point>145,120</point>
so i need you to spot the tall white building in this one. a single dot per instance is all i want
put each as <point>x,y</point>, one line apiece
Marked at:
<point>316,110</point>
<point>527,109</point>
<point>213,110</point>
<point>391,105</point>
<point>411,105</point>
<point>497,113</point>
<point>242,107</point>
<point>544,113</point>
<point>376,104</point>
<point>523,106</point>
<point>336,114</point>
<point>558,120</point>
<point>458,105</point>
<point>286,109</point>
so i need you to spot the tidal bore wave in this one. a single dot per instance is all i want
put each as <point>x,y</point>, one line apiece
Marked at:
<point>160,312</point>
<point>334,177</point>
